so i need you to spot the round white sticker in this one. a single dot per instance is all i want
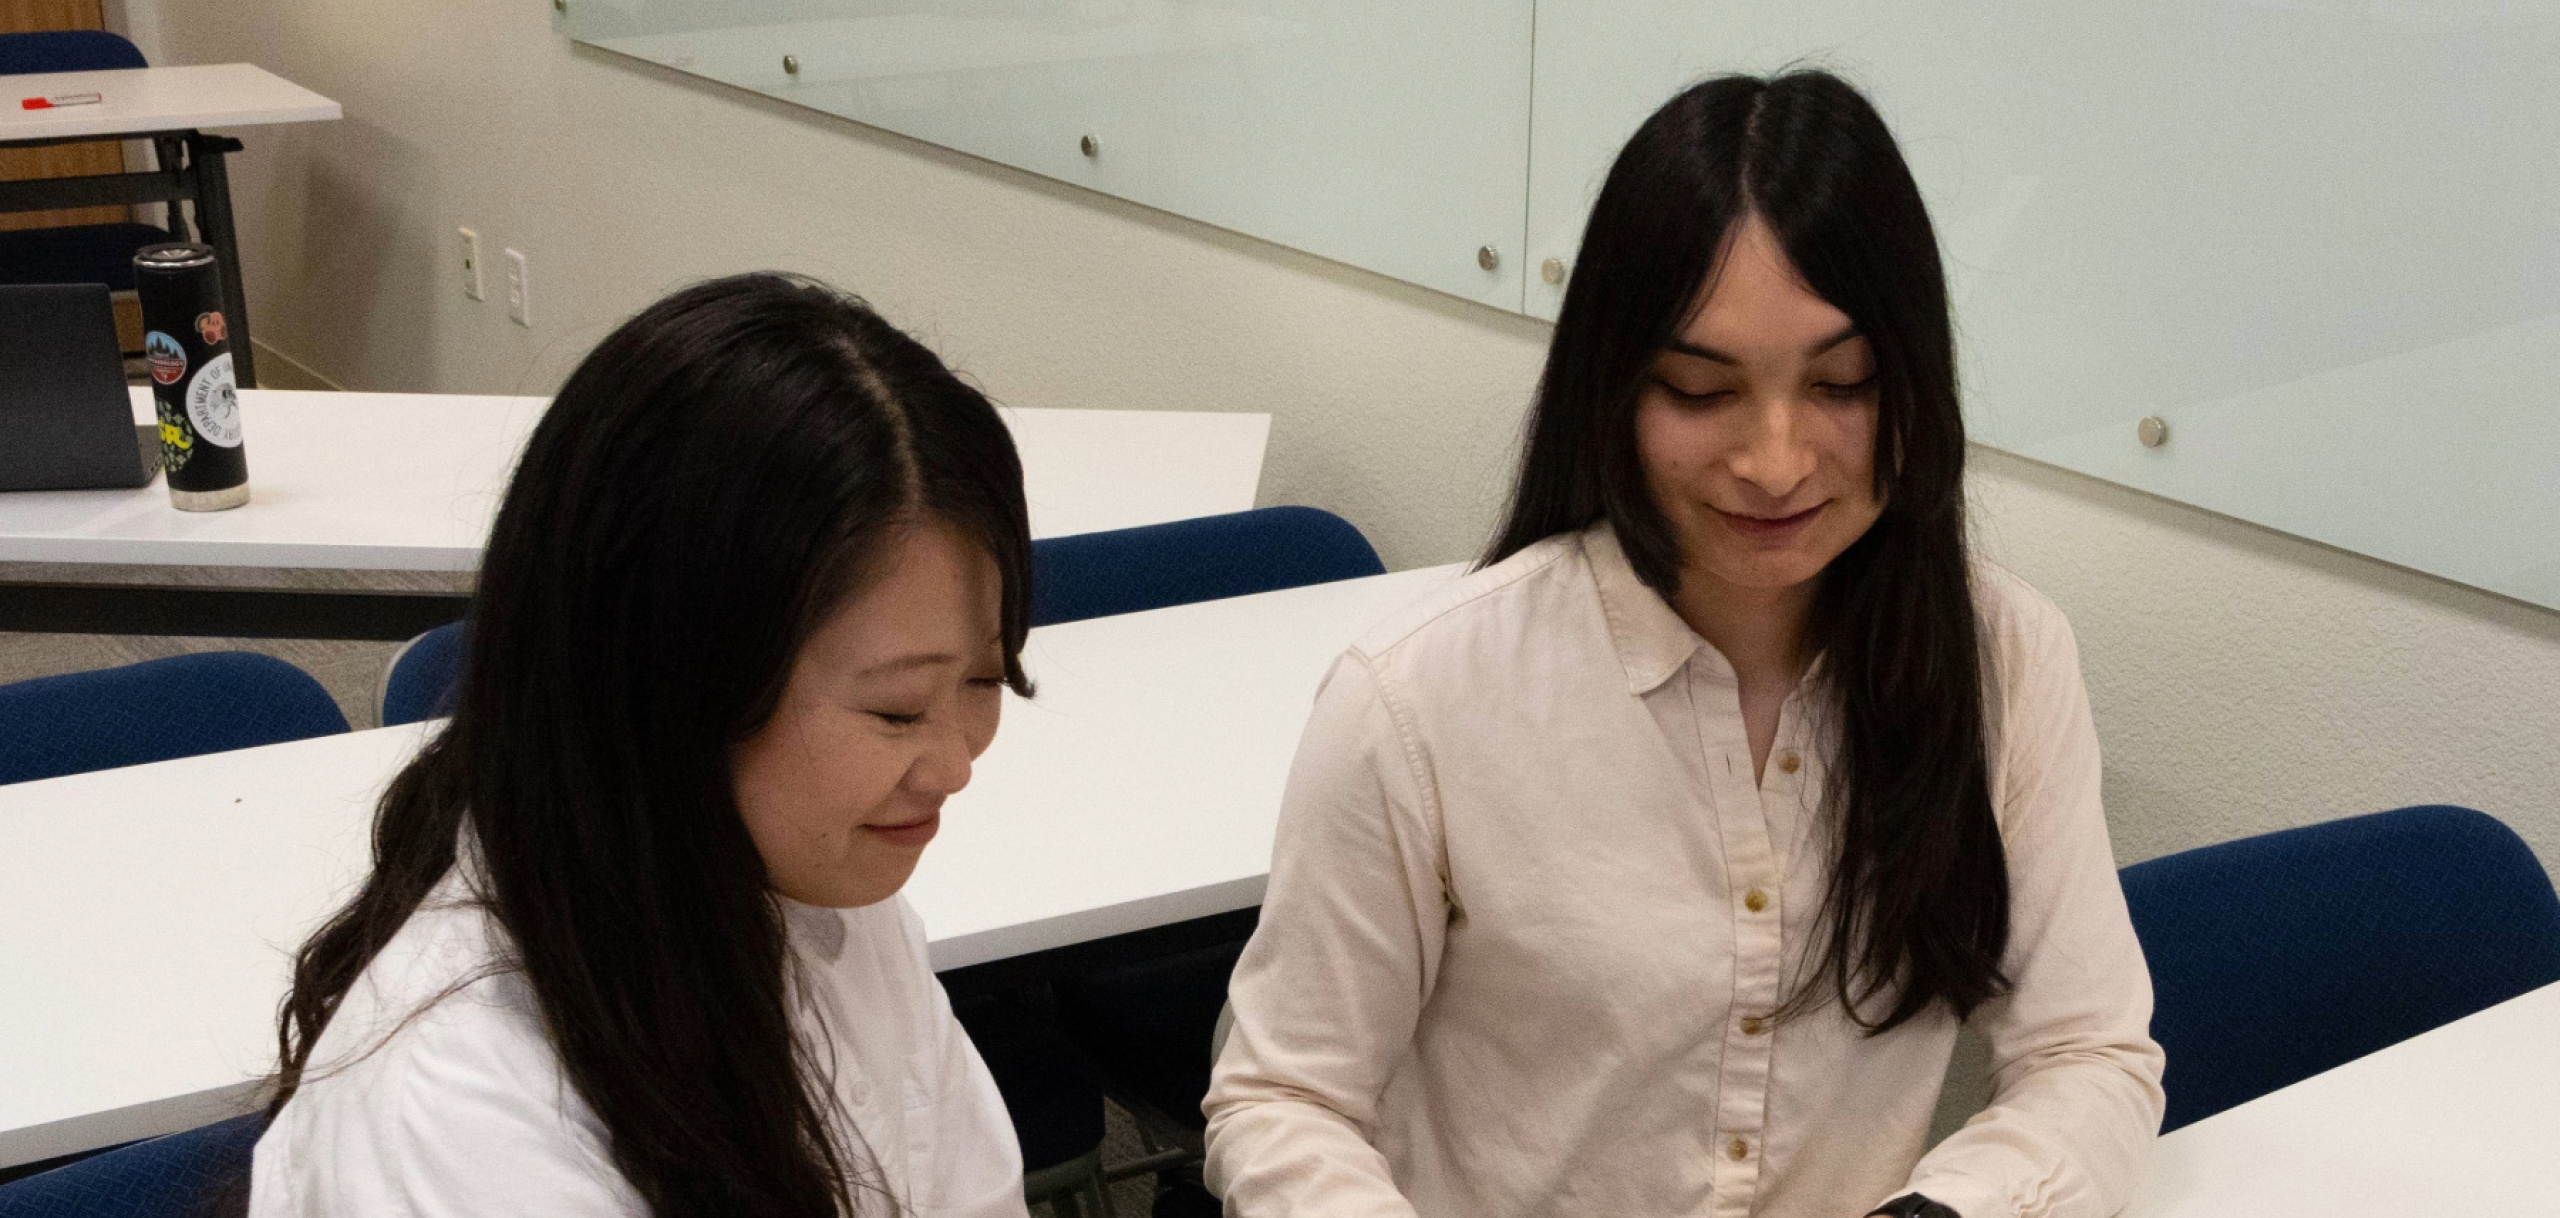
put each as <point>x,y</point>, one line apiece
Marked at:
<point>213,405</point>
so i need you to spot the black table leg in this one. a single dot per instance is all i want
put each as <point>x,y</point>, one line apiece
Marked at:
<point>213,216</point>
<point>171,153</point>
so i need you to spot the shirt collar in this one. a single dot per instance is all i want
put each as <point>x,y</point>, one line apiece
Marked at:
<point>1651,639</point>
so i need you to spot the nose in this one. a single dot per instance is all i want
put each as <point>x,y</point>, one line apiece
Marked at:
<point>1775,454</point>
<point>942,768</point>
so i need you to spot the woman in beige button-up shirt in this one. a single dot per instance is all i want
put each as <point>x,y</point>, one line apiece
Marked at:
<point>1554,922</point>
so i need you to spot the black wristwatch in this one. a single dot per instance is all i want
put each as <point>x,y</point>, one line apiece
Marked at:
<point>1912,1205</point>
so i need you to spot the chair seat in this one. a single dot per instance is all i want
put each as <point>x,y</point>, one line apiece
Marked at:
<point>1149,1026</point>
<point>83,253</point>
<point>1053,1097</point>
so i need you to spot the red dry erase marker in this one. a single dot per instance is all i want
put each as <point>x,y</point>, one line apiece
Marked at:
<point>66,99</point>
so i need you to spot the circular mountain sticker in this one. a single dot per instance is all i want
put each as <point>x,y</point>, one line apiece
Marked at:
<point>213,405</point>
<point>168,360</point>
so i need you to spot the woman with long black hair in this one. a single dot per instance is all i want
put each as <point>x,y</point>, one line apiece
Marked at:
<point>1653,868</point>
<point>631,943</point>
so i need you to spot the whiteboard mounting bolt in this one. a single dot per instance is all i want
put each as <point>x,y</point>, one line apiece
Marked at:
<point>1552,270</point>
<point>2153,431</point>
<point>791,65</point>
<point>1092,147</point>
<point>1488,257</point>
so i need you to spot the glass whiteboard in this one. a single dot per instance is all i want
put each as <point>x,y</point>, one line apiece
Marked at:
<point>1390,136</point>
<point>2319,239</point>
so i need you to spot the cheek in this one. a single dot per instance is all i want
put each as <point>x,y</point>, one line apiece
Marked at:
<point>804,782</point>
<point>982,723</point>
<point>1849,447</point>
<point>1672,445</point>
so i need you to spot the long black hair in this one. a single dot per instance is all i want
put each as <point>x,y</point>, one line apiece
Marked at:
<point>714,478</point>
<point>1917,909</point>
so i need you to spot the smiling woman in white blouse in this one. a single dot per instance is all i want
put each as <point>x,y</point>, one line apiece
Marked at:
<point>1652,869</point>
<point>631,943</point>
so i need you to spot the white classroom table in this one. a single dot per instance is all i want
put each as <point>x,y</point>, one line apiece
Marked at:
<point>146,913</point>
<point>411,482</point>
<point>171,106</point>
<point>145,101</point>
<point>2463,1120</point>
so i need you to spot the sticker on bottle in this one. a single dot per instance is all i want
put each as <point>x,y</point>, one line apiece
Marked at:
<point>213,405</point>
<point>210,328</point>
<point>168,360</point>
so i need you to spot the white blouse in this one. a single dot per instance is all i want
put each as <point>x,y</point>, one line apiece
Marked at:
<point>1529,915</point>
<point>464,1109</point>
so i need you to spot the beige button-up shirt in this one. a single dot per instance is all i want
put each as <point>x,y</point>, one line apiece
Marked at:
<point>1529,913</point>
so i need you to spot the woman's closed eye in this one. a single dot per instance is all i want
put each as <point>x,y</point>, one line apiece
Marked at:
<point>910,718</point>
<point>1846,389</point>
<point>1696,395</point>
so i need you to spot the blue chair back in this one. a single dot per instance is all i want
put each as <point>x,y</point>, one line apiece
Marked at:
<point>422,677</point>
<point>183,1175</point>
<point>2274,958</point>
<point>1186,561</point>
<point>67,51</point>
<point>182,706</point>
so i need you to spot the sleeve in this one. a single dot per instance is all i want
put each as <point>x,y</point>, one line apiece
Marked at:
<point>2075,1098</point>
<point>972,1163</point>
<point>1327,994</point>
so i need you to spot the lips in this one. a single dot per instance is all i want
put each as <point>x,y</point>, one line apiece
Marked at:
<point>1770,527</point>
<point>911,833</point>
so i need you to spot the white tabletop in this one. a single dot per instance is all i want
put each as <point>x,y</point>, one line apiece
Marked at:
<point>140,101</point>
<point>146,913</point>
<point>1141,786</point>
<point>2463,1120</point>
<point>392,481</point>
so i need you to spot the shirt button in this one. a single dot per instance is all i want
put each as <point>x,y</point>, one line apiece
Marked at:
<point>1755,900</point>
<point>1789,763</point>
<point>1737,1150</point>
<point>1753,1025</point>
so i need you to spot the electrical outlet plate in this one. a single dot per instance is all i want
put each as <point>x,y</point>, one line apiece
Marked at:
<point>471,286</point>
<point>519,290</point>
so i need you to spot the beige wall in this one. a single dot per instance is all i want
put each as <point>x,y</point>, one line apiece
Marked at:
<point>2243,680</point>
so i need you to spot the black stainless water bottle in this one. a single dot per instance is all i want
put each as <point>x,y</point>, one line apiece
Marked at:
<point>187,344</point>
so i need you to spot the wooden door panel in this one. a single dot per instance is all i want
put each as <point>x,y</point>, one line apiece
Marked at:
<point>58,160</point>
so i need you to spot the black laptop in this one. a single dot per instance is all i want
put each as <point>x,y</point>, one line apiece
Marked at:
<point>65,422</point>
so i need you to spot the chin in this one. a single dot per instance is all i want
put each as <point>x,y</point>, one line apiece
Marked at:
<point>1767,572</point>
<point>848,897</point>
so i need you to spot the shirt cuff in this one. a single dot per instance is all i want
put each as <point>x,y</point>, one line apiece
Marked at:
<point>1968,1198</point>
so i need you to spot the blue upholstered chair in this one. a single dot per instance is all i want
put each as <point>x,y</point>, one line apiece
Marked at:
<point>1053,1096</point>
<point>82,253</point>
<point>1186,561</point>
<point>2277,957</point>
<point>182,706</point>
<point>183,1175</point>
<point>419,681</point>
<point>67,51</point>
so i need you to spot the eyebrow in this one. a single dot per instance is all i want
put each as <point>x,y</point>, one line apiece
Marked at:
<point>1685,347</point>
<point>921,659</point>
<point>905,663</point>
